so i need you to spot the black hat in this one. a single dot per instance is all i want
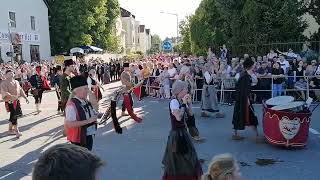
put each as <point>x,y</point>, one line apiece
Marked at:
<point>68,62</point>
<point>248,63</point>
<point>78,81</point>
<point>125,64</point>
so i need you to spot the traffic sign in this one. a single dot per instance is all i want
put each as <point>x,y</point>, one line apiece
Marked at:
<point>167,46</point>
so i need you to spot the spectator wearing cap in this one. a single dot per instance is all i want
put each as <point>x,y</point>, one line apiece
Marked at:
<point>80,120</point>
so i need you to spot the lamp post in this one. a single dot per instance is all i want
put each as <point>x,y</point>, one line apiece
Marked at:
<point>177,16</point>
<point>10,39</point>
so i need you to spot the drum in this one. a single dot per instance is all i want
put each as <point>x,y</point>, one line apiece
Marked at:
<point>279,100</point>
<point>292,106</point>
<point>286,128</point>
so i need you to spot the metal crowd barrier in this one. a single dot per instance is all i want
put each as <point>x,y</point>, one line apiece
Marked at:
<point>220,81</point>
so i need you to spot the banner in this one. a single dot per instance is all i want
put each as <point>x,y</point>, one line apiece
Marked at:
<point>59,59</point>
<point>23,37</point>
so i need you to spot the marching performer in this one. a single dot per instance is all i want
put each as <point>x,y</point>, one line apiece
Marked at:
<point>11,91</point>
<point>94,93</point>
<point>180,159</point>
<point>81,119</point>
<point>209,100</point>
<point>65,82</point>
<point>127,99</point>
<point>39,84</point>
<point>243,114</point>
<point>56,84</point>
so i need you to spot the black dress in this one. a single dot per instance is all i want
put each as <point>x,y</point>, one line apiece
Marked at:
<point>180,159</point>
<point>243,114</point>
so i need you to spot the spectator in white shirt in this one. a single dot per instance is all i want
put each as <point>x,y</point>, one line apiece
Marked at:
<point>272,54</point>
<point>284,64</point>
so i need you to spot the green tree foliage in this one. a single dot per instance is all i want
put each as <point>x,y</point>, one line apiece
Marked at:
<point>155,44</point>
<point>184,27</point>
<point>237,22</point>
<point>77,22</point>
<point>314,10</point>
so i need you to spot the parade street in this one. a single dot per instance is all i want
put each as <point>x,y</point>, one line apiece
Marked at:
<point>137,153</point>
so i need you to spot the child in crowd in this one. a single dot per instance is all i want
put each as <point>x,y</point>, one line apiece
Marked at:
<point>223,167</point>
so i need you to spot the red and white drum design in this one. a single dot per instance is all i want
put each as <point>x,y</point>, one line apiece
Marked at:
<point>285,128</point>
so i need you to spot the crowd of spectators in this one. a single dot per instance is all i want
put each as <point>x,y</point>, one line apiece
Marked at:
<point>277,73</point>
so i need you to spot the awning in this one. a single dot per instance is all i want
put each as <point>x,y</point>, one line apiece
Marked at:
<point>76,50</point>
<point>91,48</point>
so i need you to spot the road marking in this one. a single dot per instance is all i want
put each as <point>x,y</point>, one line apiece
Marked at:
<point>313,131</point>
<point>196,107</point>
<point>4,176</point>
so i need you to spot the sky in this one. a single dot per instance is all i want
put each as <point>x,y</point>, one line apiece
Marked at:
<point>148,12</point>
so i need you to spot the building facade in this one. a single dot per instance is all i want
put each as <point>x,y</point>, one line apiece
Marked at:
<point>24,30</point>
<point>137,38</point>
<point>121,34</point>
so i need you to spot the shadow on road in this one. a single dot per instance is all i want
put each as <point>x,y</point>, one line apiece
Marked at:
<point>53,133</point>
<point>29,126</point>
<point>23,166</point>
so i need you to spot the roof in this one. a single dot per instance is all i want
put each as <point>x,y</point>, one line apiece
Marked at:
<point>47,4</point>
<point>126,13</point>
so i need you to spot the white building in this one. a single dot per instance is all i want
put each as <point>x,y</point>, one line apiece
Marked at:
<point>137,37</point>
<point>144,39</point>
<point>121,33</point>
<point>27,23</point>
<point>128,24</point>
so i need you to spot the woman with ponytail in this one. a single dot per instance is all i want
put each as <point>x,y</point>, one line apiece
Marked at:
<point>223,167</point>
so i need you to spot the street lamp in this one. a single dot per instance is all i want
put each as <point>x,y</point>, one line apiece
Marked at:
<point>174,14</point>
<point>10,39</point>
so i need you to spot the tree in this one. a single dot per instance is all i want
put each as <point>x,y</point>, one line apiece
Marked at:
<point>314,10</point>
<point>155,44</point>
<point>184,27</point>
<point>76,22</point>
<point>205,27</point>
<point>249,22</point>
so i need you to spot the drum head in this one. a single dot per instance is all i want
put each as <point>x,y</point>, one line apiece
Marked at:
<point>279,100</point>
<point>291,105</point>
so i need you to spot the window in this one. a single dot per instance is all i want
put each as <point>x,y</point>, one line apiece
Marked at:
<point>138,40</point>
<point>33,23</point>
<point>34,53</point>
<point>12,17</point>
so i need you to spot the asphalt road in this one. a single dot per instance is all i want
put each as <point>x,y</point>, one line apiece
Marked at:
<point>137,153</point>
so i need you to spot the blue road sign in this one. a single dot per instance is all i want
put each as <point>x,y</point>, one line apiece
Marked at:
<point>167,46</point>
